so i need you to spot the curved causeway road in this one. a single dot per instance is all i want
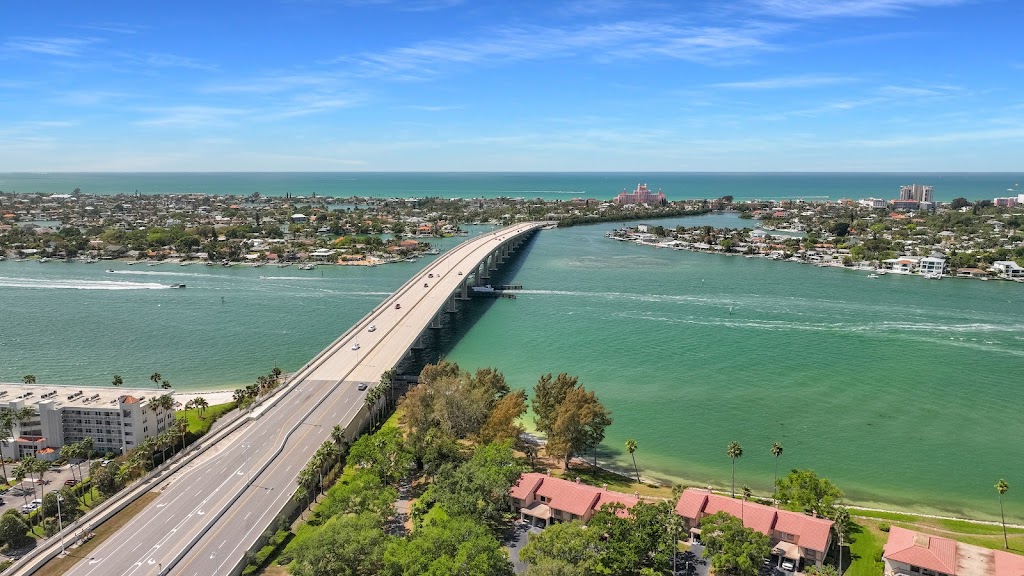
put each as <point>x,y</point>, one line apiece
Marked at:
<point>209,513</point>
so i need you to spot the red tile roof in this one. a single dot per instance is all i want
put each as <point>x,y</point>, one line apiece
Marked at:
<point>569,496</point>
<point>526,485</point>
<point>1009,564</point>
<point>921,550</point>
<point>807,531</point>
<point>129,400</point>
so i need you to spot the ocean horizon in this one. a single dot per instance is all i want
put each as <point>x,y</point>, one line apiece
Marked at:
<point>544,185</point>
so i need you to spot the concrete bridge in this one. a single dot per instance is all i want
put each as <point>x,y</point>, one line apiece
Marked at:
<point>214,509</point>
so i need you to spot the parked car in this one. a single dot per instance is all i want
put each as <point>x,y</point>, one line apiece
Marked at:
<point>70,482</point>
<point>788,565</point>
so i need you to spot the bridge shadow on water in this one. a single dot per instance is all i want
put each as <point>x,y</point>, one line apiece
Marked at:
<point>438,342</point>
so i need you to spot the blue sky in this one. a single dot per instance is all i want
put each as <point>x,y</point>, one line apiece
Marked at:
<point>475,85</point>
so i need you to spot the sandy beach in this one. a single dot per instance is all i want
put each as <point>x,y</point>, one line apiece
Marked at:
<point>214,397</point>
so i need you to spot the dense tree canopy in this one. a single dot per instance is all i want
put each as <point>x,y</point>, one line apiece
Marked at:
<point>803,490</point>
<point>734,549</point>
<point>479,488</point>
<point>447,547</point>
<point>347,545</point>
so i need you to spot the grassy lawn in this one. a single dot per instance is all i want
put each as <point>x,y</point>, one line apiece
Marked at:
<point>984,535</point>
<point>200,426</point>
<point>60,565</point>
<point>864,548</point>
<point>616,482</point>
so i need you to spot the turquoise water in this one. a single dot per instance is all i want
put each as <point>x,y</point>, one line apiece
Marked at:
<point>902,390</point>
<point>551,186</point>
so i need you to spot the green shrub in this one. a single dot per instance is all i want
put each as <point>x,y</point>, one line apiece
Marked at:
<point>884,526</point>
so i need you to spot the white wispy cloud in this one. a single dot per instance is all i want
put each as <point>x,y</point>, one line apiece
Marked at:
<point>627,39</point>
<point>270,84</point>
<point>190,116</point>
<point>430,108</point>
<point>782,82</point>
<point>809,9</point>
<point>958,137</point>
<point>56,46</point>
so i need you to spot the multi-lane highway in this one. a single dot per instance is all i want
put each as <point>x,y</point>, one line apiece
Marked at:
<point>211,512</point>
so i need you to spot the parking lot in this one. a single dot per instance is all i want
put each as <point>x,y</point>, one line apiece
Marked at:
<point>24,492</point>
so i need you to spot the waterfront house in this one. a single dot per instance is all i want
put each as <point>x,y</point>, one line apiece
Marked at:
<point>932,265</point>
<point>544,500</point>
<point>1007,269</point>
<point>909,553</point>
<point>798,537</point>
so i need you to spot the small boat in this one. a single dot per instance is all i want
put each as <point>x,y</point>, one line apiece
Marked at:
<point>307,267</point>
<point>410,259</point>
<point>881,272</point>
<point>872,275</point>
<point>184,264</point>
<point>484,288</point>
<point>110,269</point>
<point>43,260</point>
<point>177,285</point>
<point>433,252</point>
<point>210,264</point>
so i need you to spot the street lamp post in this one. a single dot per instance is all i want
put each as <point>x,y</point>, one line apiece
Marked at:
<point>60,523</point>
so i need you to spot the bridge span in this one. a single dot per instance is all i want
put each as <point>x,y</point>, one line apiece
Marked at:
<point>210,512</point>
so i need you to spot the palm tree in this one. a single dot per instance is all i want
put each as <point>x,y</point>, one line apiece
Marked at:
<point>86,447</point>
<point>201,404</point>
<point>117,381</point>
<point>776,451</point>
<point>631,448</point>
<point>734,451</point>
<point>1002,487</point>
<point>155,377</point>
<point>28,379</point>
<point>181,424</point>
<point>20,471</point>
<point>165,384</point>
<point>69,452</point>
<point>6,430</point>
<point>339,436</point>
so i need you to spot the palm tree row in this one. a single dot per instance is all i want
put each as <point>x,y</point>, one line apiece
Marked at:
<point>199,403</point>
<point>311,477</point>
<point>8,418</point>
<point>383,391</point>
<point>264,384</point>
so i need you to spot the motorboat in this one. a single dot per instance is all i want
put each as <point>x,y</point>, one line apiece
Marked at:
<point>177,286</point>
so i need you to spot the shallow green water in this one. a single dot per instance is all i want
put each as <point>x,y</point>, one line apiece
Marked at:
<point>902,390</point>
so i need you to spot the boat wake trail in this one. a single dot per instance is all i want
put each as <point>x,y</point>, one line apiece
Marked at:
<point>78,284</point>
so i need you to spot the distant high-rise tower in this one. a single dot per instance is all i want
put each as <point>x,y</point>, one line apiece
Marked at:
<point>918,192</point>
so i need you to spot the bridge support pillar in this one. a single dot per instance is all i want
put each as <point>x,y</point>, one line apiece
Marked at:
<point>435,322</point>
<point>450,307</point>
<point>483,273</point>
<point>464,290</point>
<point>492,260</point>
<point>418,344</point>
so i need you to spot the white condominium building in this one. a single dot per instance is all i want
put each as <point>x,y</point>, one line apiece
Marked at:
<point>117,419</point>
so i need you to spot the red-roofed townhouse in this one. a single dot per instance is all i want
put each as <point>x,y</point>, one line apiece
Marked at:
<point>801,538</point>
<point>909,553</point>
<point>545,500</point>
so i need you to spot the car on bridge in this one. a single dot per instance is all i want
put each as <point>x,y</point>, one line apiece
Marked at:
<point>425,285</point>
<point>398,306</point>
<point>372,328</point>
<point>460,272</point>
<point>355,346</point>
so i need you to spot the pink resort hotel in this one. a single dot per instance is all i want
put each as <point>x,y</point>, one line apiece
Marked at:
<point>640,196</point>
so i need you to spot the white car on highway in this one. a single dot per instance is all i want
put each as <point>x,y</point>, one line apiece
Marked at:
<point>372,328</point>
<point>355,346</point>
